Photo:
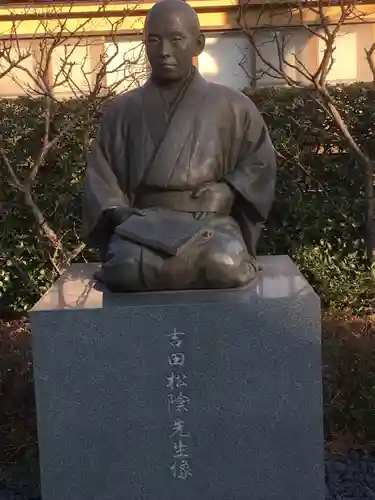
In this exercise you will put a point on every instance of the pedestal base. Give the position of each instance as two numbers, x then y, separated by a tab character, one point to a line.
212	395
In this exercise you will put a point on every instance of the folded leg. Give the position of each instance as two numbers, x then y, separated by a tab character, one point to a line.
123	267
225	262
217	259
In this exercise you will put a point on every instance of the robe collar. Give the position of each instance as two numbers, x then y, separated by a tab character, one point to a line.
157	113
169	132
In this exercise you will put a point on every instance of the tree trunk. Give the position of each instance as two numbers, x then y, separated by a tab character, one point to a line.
370	212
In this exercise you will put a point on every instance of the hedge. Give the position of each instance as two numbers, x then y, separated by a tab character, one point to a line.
318	217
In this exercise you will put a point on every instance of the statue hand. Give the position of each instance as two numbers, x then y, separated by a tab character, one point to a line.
197	194
136	211
199	215
219	189
121	214
199	191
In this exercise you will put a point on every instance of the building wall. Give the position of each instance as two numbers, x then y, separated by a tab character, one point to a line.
128	64
76	66
225	59
228	58
18	80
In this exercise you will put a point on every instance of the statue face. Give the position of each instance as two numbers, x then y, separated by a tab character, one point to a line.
171	43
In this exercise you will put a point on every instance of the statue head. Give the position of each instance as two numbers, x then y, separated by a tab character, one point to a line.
173	38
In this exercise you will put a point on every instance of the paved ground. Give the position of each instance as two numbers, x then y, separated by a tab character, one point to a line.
349	477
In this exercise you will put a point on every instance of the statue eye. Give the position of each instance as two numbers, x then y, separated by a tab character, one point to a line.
176	39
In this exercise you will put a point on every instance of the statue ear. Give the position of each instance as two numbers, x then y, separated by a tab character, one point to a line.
201	42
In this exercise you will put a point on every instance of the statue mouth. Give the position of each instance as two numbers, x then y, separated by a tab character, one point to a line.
167	65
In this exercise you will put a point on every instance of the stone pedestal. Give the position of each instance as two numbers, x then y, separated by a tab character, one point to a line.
209	395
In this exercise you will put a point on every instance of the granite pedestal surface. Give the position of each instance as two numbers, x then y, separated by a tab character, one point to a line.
198	395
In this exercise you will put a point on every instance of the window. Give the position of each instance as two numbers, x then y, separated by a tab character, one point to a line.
126	64
344	68
72	69
222	58
19	78
278	49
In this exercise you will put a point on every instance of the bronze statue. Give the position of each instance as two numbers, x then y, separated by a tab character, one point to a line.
181	175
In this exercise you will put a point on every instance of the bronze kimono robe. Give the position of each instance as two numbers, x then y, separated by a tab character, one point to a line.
147	157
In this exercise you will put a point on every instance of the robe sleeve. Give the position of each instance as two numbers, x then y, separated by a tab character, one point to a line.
254	177
101	189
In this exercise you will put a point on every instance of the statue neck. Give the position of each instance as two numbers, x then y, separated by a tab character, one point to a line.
169	90
172	84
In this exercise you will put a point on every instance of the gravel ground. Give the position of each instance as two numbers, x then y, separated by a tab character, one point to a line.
348	477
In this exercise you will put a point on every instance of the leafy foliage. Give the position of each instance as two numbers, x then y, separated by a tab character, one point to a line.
18	434
318	217
26	270
348	383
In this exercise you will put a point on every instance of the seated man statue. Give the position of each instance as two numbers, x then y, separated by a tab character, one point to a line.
181	175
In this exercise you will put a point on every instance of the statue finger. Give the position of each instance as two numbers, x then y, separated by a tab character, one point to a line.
198	192
200	215
136	211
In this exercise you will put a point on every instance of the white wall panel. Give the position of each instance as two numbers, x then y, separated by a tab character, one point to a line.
221	58
279	50
71	70
127	64
18	79
344	68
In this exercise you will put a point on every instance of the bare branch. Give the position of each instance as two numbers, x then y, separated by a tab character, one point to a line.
11	64
317	19
370	60
40	219
61	63
14	181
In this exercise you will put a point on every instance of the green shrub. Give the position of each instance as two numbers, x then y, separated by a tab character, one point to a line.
318	217
25	265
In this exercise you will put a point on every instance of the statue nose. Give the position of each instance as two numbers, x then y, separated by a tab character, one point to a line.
166	48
